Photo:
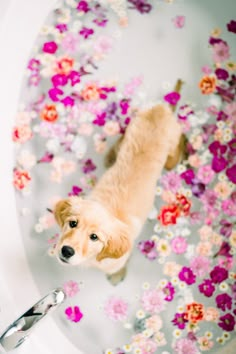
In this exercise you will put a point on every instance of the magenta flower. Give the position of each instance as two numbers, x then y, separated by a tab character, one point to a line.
224	250
169	291
54	94
180	320
62	27
148	249
50	47
83	6
71	288
88	166
68	101
153	301
172	98
187	275
200	265
179	21
231	173
59	80
226	228
116	308
74	77
185	346
231	26
220	52
217	148
100	119
141	5
73	314
218	163
206	288
86	32
76	190
188	176
179	245
47	157
221	74
224	301
33	64
227	322
218	274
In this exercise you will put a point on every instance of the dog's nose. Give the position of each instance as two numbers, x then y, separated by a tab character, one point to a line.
67	251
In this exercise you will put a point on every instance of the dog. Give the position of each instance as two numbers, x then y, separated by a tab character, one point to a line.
100	229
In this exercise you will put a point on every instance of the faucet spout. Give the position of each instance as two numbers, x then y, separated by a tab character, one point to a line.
19	330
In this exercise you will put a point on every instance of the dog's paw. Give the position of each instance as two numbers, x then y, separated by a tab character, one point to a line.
117	277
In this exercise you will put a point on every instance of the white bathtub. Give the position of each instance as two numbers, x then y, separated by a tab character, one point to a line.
18	290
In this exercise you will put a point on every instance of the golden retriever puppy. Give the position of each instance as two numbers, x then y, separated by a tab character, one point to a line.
100	229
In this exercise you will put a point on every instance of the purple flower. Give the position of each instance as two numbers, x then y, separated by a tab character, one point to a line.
188	176
187	275
172	98
219	163
224	301
169	291
180	320
83	6
88	166
231	173
141	5
148	248
86	32
231	26
224	250
221	74
198	189
222	116
76	190
226	228
216	148
206	288
232	145
218	274
50	47
227	322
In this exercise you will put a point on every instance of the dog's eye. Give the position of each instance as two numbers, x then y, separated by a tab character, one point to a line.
93	237
73	223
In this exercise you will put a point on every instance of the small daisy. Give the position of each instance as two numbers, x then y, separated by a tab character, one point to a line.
177	333
146	286
175	281
223	286
220	340
162	283
140	314
209	334
226	335
127	348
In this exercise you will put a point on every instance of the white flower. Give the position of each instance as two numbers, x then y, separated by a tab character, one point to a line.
53	145
26	159
79	147
38	228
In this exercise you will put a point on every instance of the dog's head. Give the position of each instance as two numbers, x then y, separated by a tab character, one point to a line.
89	232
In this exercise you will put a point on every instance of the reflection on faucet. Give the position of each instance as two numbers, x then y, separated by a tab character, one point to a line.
19	330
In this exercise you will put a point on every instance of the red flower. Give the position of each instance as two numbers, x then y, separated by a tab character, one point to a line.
21	178
194	312
169	214
183	203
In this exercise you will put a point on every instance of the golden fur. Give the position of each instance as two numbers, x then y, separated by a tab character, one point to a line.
119	204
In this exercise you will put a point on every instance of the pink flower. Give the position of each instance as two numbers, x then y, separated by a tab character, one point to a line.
230	110
200	265
73	314
70	43
229	207
171	181
22	133
205	174
179	245
103	45
153	301
185	346
206	70
179	21
71	288
50	47
116	309
220	52
21	178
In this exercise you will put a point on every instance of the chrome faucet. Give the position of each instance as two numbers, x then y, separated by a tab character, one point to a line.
19	330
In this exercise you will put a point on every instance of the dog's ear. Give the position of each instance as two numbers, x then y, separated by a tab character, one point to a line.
117	244
61	211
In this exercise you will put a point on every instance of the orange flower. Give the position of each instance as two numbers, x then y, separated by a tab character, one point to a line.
194	312
91	92
49	113
183	203
21	179
169	214
21	133
64	65
207	84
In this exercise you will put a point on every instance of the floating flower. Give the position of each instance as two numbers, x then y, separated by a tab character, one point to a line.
22	133
207	288
73	314
172	98
148	249
207	85
218	274
64	65
180	320
86	32
154	323
224	302
83	6
71	288
49	113
179	21
50	47
169	291
141	5
231	26
227	322
220	52
116	308
21	178
76	190
171	181
168	214
221	74
91	92
205	174
200	265
88	166
231	173
194	312
205	343
179	245
184	346
187	275
153	301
